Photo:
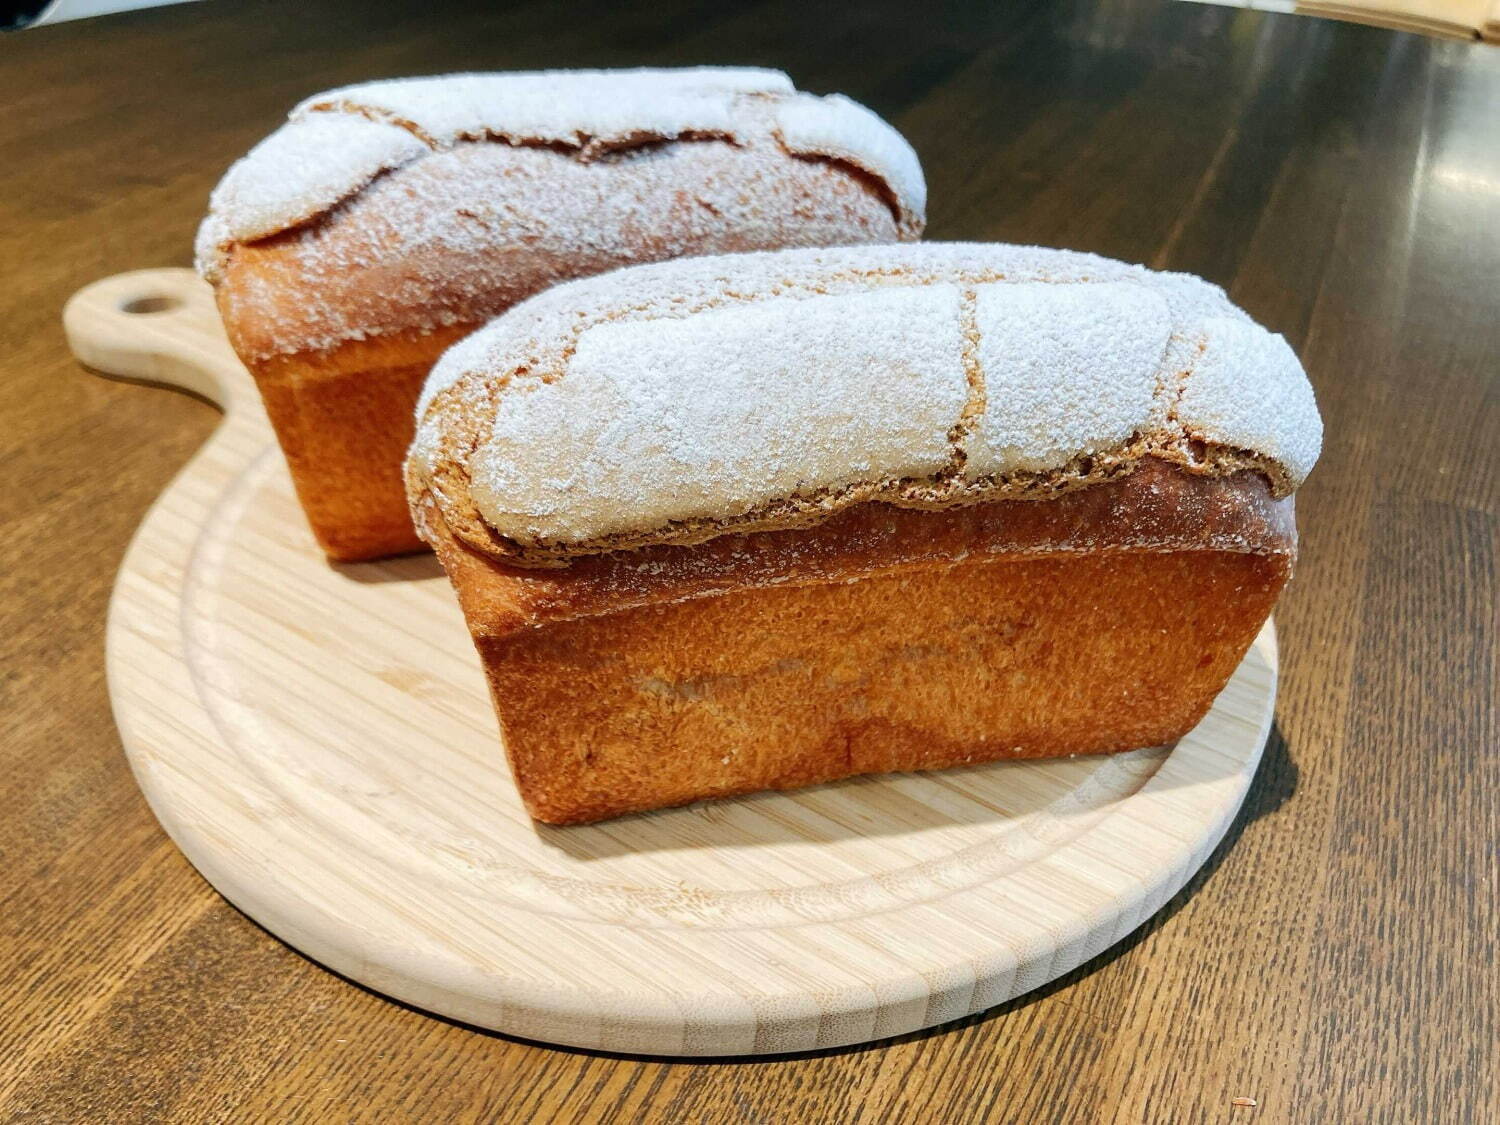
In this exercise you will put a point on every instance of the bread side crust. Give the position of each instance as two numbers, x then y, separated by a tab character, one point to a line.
882	640
343	434
930	668
1160	507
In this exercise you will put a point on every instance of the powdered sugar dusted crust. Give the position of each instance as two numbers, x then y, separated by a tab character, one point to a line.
288	179
567	107
1067	369
595	454
763	391
336	144
839	127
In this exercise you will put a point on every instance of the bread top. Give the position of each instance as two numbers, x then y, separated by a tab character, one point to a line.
413	203
675	403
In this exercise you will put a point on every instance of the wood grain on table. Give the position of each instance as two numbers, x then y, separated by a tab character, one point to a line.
1336	962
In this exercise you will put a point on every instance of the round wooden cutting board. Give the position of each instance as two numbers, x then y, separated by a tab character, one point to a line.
318	740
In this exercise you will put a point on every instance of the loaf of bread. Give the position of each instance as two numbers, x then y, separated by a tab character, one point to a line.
383	222
765	520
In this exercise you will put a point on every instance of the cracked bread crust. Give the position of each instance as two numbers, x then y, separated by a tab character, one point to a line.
458	236
1214	394
336	144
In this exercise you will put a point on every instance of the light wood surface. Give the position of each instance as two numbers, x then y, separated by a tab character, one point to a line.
318	740
1338	180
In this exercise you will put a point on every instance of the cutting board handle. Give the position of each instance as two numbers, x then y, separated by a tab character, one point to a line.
159	326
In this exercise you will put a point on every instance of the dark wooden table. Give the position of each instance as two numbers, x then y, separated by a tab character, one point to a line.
1335	961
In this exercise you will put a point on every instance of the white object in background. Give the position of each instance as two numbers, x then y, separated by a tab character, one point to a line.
1450	19
1287	7
60	10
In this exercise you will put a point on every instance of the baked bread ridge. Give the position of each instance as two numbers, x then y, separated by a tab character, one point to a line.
419	203
886	639
1160	508
999	372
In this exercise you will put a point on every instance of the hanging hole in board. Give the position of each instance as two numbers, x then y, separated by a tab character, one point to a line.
150	304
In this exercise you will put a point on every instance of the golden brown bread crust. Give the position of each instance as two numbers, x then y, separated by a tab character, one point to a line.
344	429
785	687
885	639
1159	507
339	319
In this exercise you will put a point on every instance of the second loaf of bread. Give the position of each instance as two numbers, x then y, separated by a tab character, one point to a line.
384	221
762	521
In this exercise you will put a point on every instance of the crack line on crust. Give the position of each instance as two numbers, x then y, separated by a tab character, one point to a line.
377	115
949	489
978	401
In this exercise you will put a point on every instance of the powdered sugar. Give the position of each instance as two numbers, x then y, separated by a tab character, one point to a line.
545	322
336	143
1068	370
1278	420
662	420
835	126
571	107
296	173
1080	360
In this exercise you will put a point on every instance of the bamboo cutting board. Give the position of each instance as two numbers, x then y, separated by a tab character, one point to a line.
318	741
